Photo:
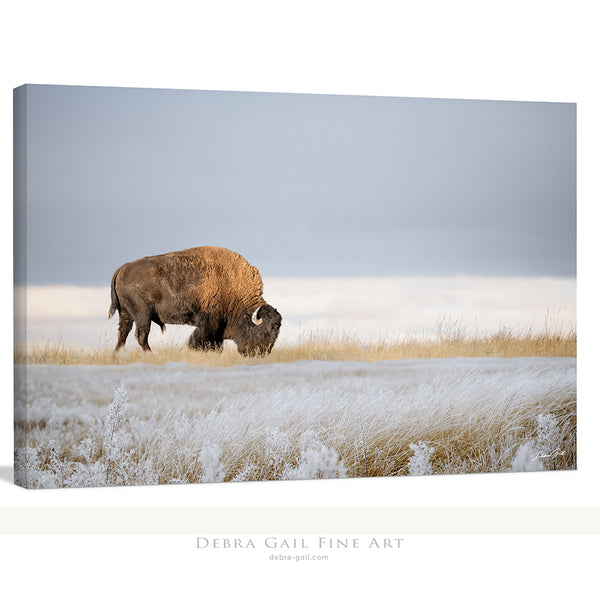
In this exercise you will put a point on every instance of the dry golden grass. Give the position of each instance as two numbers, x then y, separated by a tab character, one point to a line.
503	343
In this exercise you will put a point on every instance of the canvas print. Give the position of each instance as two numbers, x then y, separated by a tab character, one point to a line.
239	286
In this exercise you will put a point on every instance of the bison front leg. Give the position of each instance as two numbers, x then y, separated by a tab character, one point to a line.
199	340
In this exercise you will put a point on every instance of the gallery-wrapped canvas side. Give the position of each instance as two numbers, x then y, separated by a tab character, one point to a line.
20	241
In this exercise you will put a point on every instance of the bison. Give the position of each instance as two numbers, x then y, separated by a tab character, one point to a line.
214	289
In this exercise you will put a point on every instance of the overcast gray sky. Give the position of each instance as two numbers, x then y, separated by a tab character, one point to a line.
301	185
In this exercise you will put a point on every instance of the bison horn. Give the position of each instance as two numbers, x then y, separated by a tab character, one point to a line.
256	320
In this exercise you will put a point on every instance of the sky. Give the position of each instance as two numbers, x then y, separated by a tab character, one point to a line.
301	185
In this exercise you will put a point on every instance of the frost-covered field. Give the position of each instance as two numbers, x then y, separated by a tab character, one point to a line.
146	424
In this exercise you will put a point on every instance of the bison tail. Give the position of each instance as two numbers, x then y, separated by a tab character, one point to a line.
114	300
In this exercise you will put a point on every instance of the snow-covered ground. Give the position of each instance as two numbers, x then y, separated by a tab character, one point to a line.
364	308
136	424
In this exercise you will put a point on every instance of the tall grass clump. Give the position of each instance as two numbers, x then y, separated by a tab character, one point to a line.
419	463
114	442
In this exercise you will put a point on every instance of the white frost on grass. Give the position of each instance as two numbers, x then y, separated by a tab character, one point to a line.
548	435
210	458
541	452
419	463
114	442
291	420
317	461
526	458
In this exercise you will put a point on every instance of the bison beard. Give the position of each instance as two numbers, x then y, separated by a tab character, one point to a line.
214	289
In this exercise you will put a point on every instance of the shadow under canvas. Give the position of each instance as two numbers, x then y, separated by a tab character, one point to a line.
7	473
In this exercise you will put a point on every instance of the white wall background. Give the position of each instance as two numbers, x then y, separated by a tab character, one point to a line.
466	49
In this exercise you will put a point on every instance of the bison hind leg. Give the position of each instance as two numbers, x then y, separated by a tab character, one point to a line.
125	325
142	331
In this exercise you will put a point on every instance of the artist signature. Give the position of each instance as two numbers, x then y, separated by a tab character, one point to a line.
553	454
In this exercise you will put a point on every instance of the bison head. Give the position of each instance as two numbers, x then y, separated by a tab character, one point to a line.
257	331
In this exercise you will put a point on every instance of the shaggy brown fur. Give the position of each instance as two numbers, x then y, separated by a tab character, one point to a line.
212	288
